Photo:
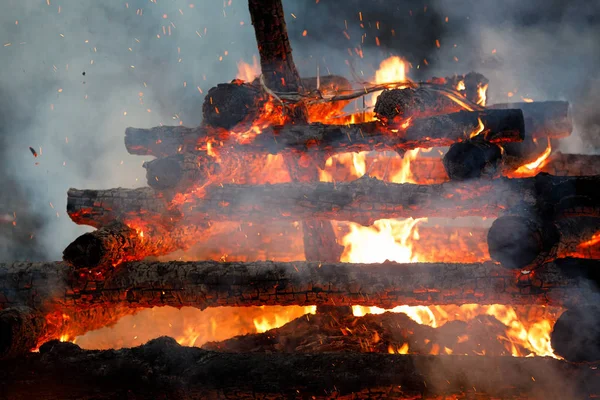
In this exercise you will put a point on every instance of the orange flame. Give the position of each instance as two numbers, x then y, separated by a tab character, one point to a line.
533	167
247	72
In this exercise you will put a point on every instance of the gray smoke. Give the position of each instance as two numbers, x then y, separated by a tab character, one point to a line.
142	55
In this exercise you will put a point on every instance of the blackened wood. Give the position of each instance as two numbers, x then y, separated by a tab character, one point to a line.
576	334
472	159
202	284
181	171
20	328
544	118
364	200
165	370
423	101
524	243
501	126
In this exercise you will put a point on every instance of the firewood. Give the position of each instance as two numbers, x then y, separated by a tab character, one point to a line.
470	85
20	328
181	171
501	126
472	159
524	243
364	200
544	118
576	334
202	284
162	368
423	101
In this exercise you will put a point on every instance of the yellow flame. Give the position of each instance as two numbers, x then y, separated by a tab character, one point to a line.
460	86
482	95
247	72
272	321
540	162
478	130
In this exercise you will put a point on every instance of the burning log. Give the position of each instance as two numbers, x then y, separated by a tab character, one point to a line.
576	334
194	373
473	86
423	101
572	164
364	200
180	171
202	284
443	130
522	243
472	159
543	119
20	328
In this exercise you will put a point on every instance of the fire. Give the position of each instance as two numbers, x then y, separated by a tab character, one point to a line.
247	72
478	130
533	167
268	321
392	69
529	332
384	240
482	95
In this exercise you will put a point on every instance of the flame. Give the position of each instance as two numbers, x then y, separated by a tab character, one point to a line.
460	86
247	72
267	322
595	240
530	333
478	130
482	95
384	240
392	69
533	167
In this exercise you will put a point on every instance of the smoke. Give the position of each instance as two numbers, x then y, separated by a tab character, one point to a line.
73	76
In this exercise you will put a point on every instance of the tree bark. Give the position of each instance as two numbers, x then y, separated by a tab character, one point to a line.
53	286
543	119
20	328
364	200
501	126
163	369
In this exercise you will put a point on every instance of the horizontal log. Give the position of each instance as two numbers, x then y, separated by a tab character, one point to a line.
501	126
163	369
473	86
472	159
202	284
364	200
395	105
544	118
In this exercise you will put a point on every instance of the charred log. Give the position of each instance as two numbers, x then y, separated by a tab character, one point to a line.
576	334
470	85
229	104
20	328
572	164
180	171
364	200
543	119
523	243
472	159
423	101
163	369
501	126
202	284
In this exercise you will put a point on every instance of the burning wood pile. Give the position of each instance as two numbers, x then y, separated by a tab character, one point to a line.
281	148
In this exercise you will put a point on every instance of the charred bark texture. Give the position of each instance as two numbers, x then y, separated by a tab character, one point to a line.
180	171
543	119
364	200
423	101
163	369
202	284
20	328
501	126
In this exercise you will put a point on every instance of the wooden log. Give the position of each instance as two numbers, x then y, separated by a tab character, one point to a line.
501	126
364	200
473	86
395	105
162	368
181	171
472	159
523	243
202	284
562	164
20	328
543	119
576	334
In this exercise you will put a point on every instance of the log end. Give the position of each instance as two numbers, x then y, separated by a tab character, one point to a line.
87	251
576	335
228	104
472	159
20	329
518	242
